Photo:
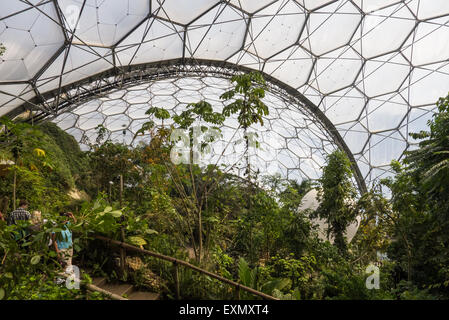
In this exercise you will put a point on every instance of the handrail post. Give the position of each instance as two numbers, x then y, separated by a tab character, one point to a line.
176	277
122	234
237	292
123	257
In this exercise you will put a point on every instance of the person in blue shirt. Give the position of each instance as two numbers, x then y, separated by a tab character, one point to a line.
63	243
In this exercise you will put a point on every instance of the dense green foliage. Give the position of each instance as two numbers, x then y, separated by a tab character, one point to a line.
40	162
337	197
248	229
421	205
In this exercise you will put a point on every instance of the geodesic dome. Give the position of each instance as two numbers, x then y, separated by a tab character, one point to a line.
291	143
352	74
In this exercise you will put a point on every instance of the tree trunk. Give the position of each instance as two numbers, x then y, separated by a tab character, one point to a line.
122	233
14	186
4	205
121	190
200	236
248	165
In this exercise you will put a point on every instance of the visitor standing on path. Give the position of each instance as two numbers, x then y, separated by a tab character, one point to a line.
63	243
20	214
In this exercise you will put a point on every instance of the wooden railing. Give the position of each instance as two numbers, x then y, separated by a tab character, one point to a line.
94	288
110	295
177	263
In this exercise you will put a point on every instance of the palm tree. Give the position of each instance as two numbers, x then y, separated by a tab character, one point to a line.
431	160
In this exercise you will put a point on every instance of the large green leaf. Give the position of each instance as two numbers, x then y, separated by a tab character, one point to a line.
151	231
244	272
278	284
137	241
96	205
115	213
35	259
296	295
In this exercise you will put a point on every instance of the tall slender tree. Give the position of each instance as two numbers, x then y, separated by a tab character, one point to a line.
248	92
337	198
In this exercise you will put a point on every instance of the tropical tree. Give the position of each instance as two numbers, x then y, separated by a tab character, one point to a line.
420	200
337	198
408	208
248	92
374	234
21	143
431	159
199	119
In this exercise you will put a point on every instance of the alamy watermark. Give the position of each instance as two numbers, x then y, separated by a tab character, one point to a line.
72	277
373	280
73	280
72	15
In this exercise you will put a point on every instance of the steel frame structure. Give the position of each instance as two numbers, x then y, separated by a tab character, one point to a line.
362	70
70	96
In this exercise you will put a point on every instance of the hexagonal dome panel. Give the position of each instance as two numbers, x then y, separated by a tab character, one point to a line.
356	74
